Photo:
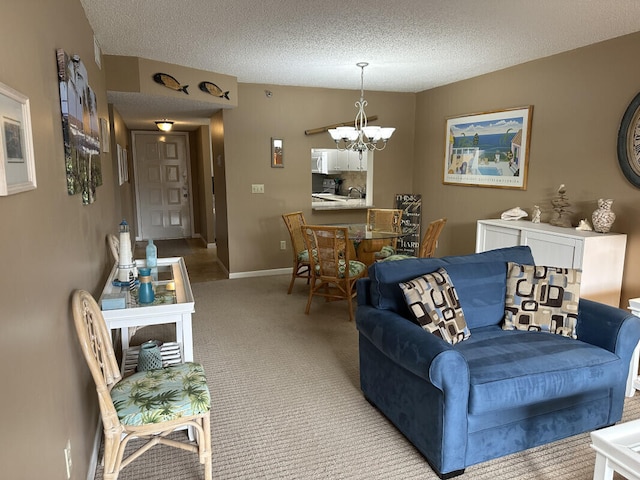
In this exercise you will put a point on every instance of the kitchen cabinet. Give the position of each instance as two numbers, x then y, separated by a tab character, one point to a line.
348	161
600	256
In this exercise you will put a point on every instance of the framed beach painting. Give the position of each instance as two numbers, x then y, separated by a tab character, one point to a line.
489	149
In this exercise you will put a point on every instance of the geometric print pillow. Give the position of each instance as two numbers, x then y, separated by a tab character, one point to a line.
542	299
433	300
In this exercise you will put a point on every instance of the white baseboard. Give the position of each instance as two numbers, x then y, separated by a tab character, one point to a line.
262	273
93	461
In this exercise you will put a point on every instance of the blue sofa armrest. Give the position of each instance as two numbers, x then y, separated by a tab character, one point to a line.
608	327
414	349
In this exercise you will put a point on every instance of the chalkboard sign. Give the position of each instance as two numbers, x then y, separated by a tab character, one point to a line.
411	206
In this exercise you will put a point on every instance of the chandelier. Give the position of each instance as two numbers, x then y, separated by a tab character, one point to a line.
361	137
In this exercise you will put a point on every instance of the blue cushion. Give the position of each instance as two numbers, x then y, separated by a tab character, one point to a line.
476	291
525	368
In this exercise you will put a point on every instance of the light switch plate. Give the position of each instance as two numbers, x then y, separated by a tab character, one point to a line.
257	188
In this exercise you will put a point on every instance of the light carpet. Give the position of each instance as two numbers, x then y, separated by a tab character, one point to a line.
287	404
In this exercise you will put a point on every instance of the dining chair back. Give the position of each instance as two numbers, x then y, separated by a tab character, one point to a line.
334	273
385	220
149	404
301	264
430	239
114	246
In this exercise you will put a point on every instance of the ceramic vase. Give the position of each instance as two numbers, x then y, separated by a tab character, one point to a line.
603	217
150	357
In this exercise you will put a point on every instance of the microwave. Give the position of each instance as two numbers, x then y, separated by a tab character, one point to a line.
323	160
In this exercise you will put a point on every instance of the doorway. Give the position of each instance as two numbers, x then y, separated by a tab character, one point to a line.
163	185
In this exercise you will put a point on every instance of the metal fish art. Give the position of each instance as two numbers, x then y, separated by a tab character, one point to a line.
170	82
213	89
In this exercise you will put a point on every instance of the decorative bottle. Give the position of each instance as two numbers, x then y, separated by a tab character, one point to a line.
125	260
145	292
150	357
603	217
152	254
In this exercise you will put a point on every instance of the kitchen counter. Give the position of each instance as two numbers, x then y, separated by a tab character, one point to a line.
330	201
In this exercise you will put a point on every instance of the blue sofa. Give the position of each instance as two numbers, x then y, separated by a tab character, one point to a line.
499	391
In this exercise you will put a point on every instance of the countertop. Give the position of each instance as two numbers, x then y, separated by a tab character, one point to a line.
330	201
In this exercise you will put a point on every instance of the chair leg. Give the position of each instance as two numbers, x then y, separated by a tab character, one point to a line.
311	290
206	454
112	458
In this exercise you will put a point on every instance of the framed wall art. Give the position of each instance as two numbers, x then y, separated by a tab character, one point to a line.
17	163
277	153
489	149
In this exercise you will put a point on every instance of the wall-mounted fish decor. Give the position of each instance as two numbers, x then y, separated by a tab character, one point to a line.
213	89
168	81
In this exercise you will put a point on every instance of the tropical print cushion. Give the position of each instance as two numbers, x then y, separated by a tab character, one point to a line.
385	252
355	268
303	256
397	256
162	395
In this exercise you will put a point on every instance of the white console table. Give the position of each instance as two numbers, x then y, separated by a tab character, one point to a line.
174	304
600	256
617	450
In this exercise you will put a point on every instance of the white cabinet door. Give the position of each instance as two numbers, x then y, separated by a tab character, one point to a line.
490	237
554	251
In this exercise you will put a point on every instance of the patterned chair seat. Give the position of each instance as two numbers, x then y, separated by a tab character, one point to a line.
162	395
385	252
303	256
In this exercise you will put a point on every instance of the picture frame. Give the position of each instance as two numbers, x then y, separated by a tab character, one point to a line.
489	149
17	161
123	164
277	153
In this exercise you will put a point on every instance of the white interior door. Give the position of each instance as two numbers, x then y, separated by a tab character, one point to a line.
161	163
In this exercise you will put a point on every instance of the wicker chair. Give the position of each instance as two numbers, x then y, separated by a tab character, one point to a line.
334	274
430	239
385	220
149	404
114	246
301	264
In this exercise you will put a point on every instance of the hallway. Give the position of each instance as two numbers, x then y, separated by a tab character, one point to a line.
202	263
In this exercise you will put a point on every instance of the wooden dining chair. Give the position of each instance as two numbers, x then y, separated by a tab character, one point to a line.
301	264
149	404
430	239
334	273
114	246
385	220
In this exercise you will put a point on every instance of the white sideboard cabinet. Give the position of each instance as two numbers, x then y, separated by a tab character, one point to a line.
600	256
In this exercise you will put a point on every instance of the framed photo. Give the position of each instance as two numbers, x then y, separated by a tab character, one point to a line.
123	165
277	153
489	149
17	163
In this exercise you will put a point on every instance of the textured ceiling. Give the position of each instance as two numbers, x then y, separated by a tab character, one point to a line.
411	45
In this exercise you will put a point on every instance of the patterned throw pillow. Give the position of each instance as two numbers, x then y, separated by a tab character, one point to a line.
542	299
433	300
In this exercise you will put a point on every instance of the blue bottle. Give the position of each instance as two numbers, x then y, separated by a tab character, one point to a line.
152	254
145	292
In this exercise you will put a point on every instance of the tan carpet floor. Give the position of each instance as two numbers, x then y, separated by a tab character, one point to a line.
287	405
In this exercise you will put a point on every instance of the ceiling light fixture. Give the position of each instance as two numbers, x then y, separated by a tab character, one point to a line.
164	125
361	137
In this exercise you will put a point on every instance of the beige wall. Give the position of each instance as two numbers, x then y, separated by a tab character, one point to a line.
255	224
50	244
579	99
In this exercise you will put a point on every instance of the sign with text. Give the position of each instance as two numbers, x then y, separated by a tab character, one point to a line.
411	206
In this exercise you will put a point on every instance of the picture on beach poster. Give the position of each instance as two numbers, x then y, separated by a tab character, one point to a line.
489	149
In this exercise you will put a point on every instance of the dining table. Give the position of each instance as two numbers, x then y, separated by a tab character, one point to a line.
359	233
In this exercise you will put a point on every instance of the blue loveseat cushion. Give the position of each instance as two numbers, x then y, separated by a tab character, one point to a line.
510	369
479	279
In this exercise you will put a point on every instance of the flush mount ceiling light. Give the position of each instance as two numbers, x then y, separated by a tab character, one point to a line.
361	137
164	125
